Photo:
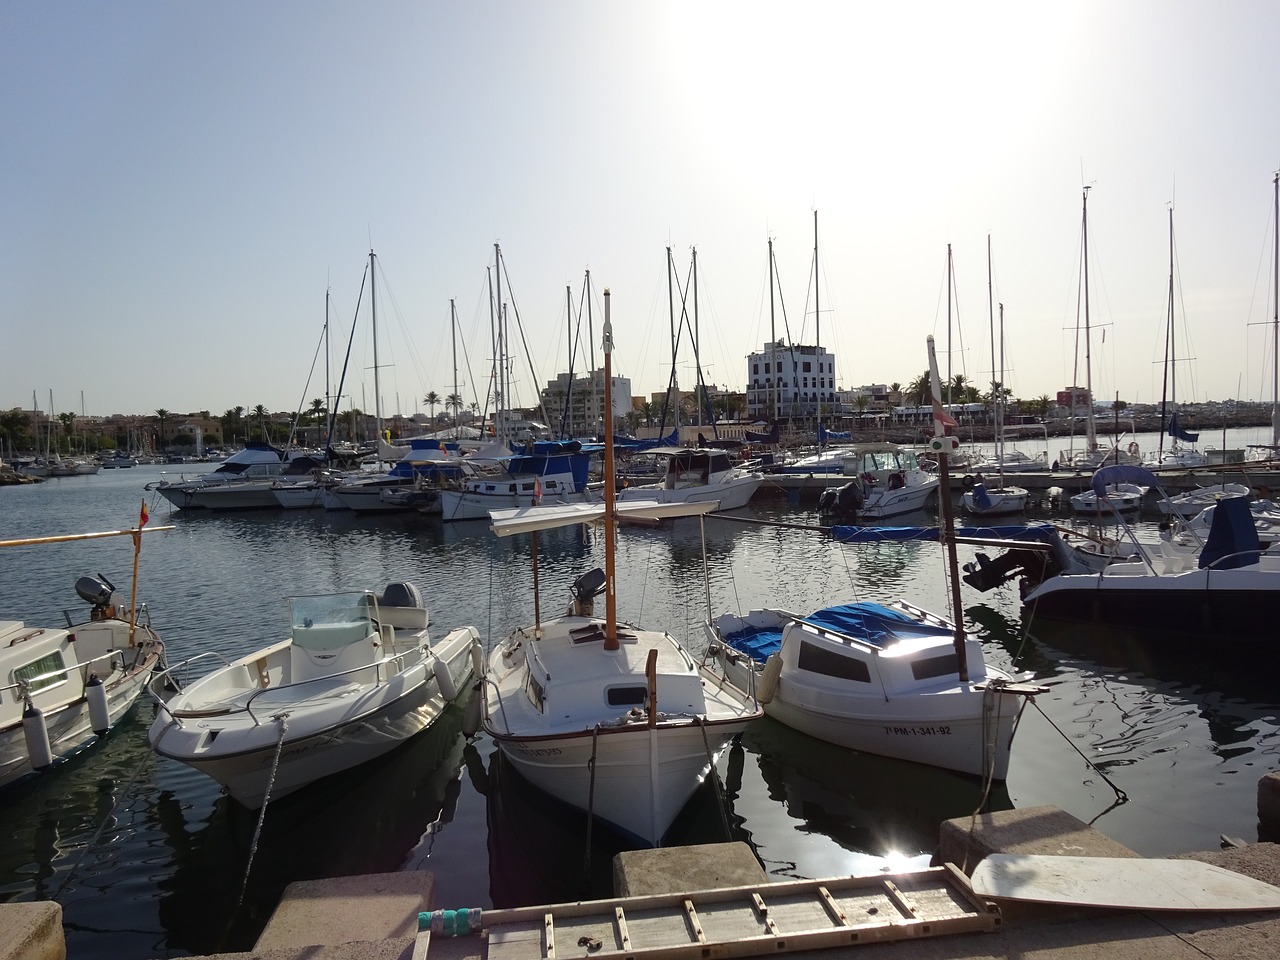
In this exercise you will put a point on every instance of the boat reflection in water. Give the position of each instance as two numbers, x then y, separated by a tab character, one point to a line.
382	817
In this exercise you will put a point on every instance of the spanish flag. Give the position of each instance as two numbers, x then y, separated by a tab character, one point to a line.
143	516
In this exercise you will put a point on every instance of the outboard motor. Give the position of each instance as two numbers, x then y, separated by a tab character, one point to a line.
100	594
585	589
843	501
399	593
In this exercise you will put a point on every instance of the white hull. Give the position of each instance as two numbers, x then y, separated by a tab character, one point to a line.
643	775
1001	501
476	506
65	709
228	725
299	496
730	493
891	503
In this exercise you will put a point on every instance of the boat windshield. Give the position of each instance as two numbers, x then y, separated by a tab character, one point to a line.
332	620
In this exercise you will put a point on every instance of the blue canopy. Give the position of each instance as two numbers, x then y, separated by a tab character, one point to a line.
1176	431
871	622
980	495
1024	531
824	434
1233	538
1122	473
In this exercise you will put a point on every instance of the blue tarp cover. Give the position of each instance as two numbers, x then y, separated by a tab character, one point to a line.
1120	473
1176	431
1233	537
1034	531
871	622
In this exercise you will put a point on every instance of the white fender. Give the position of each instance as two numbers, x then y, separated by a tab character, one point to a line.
767	685
448	689
477	656
95	693
36	732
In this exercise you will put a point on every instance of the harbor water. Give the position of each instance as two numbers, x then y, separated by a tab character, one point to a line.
149	859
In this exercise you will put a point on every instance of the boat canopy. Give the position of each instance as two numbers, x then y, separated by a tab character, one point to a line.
1233	536
824	434
870	622
1122	473
1042	532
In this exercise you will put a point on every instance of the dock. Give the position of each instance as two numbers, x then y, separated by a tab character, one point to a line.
715	900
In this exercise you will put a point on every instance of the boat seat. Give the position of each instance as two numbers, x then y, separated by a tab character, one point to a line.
404	618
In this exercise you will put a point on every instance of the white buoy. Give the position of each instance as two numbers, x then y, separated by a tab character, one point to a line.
36	732
448	689
477	657
95	693
471	719
767	686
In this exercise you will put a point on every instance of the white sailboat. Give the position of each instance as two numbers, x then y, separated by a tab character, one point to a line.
613	719
884	678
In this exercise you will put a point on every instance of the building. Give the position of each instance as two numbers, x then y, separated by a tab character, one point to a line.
575	404
791	381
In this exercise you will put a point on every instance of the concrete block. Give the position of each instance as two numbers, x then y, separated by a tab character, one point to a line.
32	931
1042	830
702	866
1269	807
340	910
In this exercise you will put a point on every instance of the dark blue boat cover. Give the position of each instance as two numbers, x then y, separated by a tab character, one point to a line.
1121	473
1043	532
1233	538
871	622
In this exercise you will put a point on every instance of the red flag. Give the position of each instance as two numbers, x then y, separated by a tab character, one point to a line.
941	415
143	516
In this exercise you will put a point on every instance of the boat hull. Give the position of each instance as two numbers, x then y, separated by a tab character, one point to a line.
330	729
635	778
730	494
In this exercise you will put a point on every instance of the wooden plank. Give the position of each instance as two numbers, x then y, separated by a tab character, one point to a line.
743	921
1130	883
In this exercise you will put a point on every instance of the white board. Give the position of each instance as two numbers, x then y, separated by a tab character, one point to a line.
1129	883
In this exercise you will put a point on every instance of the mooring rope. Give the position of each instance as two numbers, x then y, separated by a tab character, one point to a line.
591	815
715	777
283	720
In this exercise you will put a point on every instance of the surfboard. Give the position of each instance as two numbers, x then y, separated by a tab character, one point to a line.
1127	883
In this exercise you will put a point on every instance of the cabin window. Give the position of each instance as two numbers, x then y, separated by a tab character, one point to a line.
536	694
48	664
626	696
829	663
935	667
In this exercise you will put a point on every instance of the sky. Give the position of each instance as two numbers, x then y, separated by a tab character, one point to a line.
183	185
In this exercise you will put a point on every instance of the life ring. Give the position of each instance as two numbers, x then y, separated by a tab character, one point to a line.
1133	448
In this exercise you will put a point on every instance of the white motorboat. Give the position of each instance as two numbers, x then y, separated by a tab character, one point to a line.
696	475
256	493
1229	588
1189	504
425	461
983	501
357	676
887	481
880	678
890	679
1266	521
255	461
612	719
547	471
63	688
1110	498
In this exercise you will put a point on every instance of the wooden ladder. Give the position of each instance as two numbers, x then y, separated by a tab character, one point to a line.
733	921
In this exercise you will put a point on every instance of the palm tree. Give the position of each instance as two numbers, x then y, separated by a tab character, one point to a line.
260	413
453	401
919	390
162	415
13	424
431	399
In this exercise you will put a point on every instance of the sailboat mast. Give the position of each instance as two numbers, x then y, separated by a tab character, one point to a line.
373	309
698	386
950	296
773	345
995	384
453	338
1167	388
1091	434
944	445
610	517
1000	404
591	332
1275	325
817	315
